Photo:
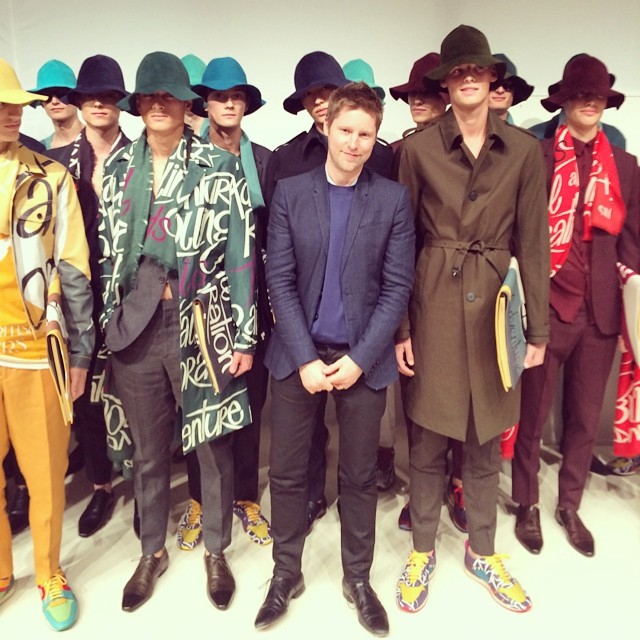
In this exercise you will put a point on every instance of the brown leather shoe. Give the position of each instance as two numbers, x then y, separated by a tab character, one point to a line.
528	531
140	586
220	583
579	536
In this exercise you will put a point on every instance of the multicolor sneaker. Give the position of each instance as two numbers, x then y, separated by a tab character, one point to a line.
503	587
413	586
190	526
404	519
8	589
254	523
59	604
624	466
454	499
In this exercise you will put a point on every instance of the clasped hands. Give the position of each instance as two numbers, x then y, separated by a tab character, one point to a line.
318	376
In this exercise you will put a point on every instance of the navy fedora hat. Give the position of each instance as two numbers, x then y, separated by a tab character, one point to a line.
98	74
520	89
222	74
316	69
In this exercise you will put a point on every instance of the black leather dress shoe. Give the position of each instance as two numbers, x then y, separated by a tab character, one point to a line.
140	586
579	536
275	605
371	613
97	513
315	510
220	583
18	510
136	519
528	531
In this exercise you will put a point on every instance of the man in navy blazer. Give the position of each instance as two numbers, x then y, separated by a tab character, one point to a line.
340	270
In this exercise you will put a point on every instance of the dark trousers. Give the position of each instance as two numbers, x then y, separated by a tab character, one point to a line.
480	476
294	410
587	356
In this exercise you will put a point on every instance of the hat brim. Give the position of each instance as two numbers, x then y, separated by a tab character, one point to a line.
433	78
61	92
520	89
254	98
293	104
179	92
557	99
19	96
75	96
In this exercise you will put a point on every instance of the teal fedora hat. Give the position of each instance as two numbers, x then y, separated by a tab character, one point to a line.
360	71
223	74
54	75
195	67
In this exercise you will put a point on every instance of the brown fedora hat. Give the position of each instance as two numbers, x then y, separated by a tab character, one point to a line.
583	74
420	68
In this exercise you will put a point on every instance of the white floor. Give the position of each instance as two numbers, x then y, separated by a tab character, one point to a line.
573	596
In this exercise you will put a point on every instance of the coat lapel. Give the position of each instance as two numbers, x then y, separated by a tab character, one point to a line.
321	202
358	208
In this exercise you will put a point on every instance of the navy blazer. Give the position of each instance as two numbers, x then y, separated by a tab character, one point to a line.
376	275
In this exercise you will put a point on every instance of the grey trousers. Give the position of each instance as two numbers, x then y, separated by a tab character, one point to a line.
480	476
147	379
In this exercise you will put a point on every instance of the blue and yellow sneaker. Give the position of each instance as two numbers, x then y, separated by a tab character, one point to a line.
254	523
189	531
7	588
59	604
503	587
413	586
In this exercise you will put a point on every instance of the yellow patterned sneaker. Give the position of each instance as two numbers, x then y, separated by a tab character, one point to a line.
254	523
7	588
413	586
59	604
190	526
503	587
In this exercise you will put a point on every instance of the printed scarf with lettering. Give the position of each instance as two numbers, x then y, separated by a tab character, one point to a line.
603	208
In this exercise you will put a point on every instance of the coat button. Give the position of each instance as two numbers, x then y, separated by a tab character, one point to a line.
473	196
471	296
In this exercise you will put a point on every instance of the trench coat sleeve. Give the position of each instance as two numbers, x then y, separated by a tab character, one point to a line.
531	244
281	280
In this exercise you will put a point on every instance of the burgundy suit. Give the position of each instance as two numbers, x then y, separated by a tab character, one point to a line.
585	344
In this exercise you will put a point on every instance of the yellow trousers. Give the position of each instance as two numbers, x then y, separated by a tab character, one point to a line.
31	420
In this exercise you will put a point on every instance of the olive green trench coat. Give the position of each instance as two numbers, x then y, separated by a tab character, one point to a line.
471	216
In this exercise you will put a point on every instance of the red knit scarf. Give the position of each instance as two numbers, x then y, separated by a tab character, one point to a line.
604	207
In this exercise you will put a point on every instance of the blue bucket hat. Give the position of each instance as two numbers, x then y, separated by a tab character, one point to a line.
159	71
520	89
223	74
316	69
98	74
360	71
57	75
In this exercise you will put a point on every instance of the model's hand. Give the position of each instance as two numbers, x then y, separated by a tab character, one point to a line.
534	356
313	377
343	373
240	363
77	380
404	357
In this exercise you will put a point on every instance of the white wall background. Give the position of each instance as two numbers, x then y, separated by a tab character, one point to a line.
269	37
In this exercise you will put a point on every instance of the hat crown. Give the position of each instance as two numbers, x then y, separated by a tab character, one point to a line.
464	42
315	68
586	73
159	70
511	68
195	67
223	74
359	71
97	72
421	67
8	78
55	73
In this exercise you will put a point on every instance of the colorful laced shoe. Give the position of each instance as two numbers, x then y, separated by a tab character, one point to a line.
454	499
503	587
256	526
59	604
624	466
190	526
413	586
404	519
8	589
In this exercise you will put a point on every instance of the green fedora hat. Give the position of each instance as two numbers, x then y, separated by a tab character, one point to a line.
159	71
360	71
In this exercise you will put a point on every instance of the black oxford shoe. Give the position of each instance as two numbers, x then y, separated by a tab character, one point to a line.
315	510
220	583
97	513
579	536
528	531
140	587
275	605
371	613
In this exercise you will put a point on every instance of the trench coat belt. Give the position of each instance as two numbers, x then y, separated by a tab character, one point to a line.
463	249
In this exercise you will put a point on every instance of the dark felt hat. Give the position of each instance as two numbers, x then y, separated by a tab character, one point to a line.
98	74
464	45
316	69
585	74
160	71
519	87
223	74
415	84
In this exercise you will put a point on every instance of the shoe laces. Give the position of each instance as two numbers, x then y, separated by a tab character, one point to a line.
415	566
499	573
252	511
194	513
54	588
